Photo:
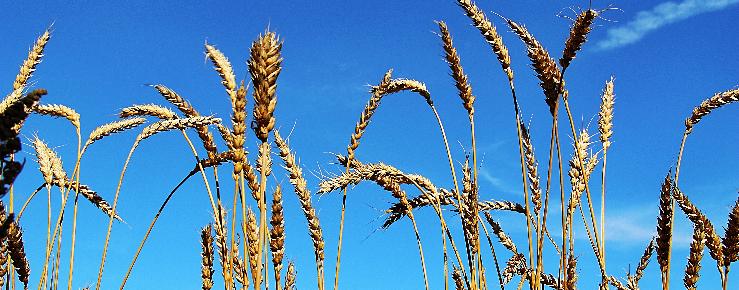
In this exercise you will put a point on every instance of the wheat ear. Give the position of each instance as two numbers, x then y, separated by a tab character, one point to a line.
206	239
277	235
488	31
189	111
112	128
460	79
693	267
713	241
304	196
578	36
152	110
18	253
664	228
546	69
731	237
224	69
290	277
706	107
264	67
33	59
59	111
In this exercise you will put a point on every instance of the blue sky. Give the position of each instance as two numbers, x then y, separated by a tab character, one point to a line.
666	57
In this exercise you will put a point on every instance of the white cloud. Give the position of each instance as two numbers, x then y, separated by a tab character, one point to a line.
663	14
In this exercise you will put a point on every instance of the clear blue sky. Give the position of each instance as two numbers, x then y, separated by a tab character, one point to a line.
665	59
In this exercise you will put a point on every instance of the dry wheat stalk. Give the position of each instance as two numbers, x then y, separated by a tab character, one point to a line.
33	59
252	238
488	31
504	239
290	277
166	125
59	111
265	66
153	110
207	257
605	116
112	128
731	237
17	252
531	168
706	107
713	241
578	36
460	79
304	196
693	266
189	111
546	69
664	226
277	234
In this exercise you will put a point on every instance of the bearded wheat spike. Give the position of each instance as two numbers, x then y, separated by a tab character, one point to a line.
460	79
18	253
222	243
664	224
644	261
277	234
578	36
88	194
189	111
290	277
252	238
112	128
153	110
731	237
304	196
692	270
33	59
531	168
707	106
11	99
59	111
571	282
207	257
458	280
504	239
265	66
546	69
167	125
488	31
224	69
4	220
605	116
14	111
713	241
43	158
237	139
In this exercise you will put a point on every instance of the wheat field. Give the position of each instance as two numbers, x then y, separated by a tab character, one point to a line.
257	217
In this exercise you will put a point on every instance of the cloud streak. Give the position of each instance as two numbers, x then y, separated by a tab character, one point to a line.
663	14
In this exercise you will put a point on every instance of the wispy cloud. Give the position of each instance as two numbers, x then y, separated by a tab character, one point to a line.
663	14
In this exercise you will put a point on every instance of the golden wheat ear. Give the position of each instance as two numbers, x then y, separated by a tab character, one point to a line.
731	237
578	35
277	234
33	59
265	65
488	31
694	259
707	106
113	128
206	240
59	111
